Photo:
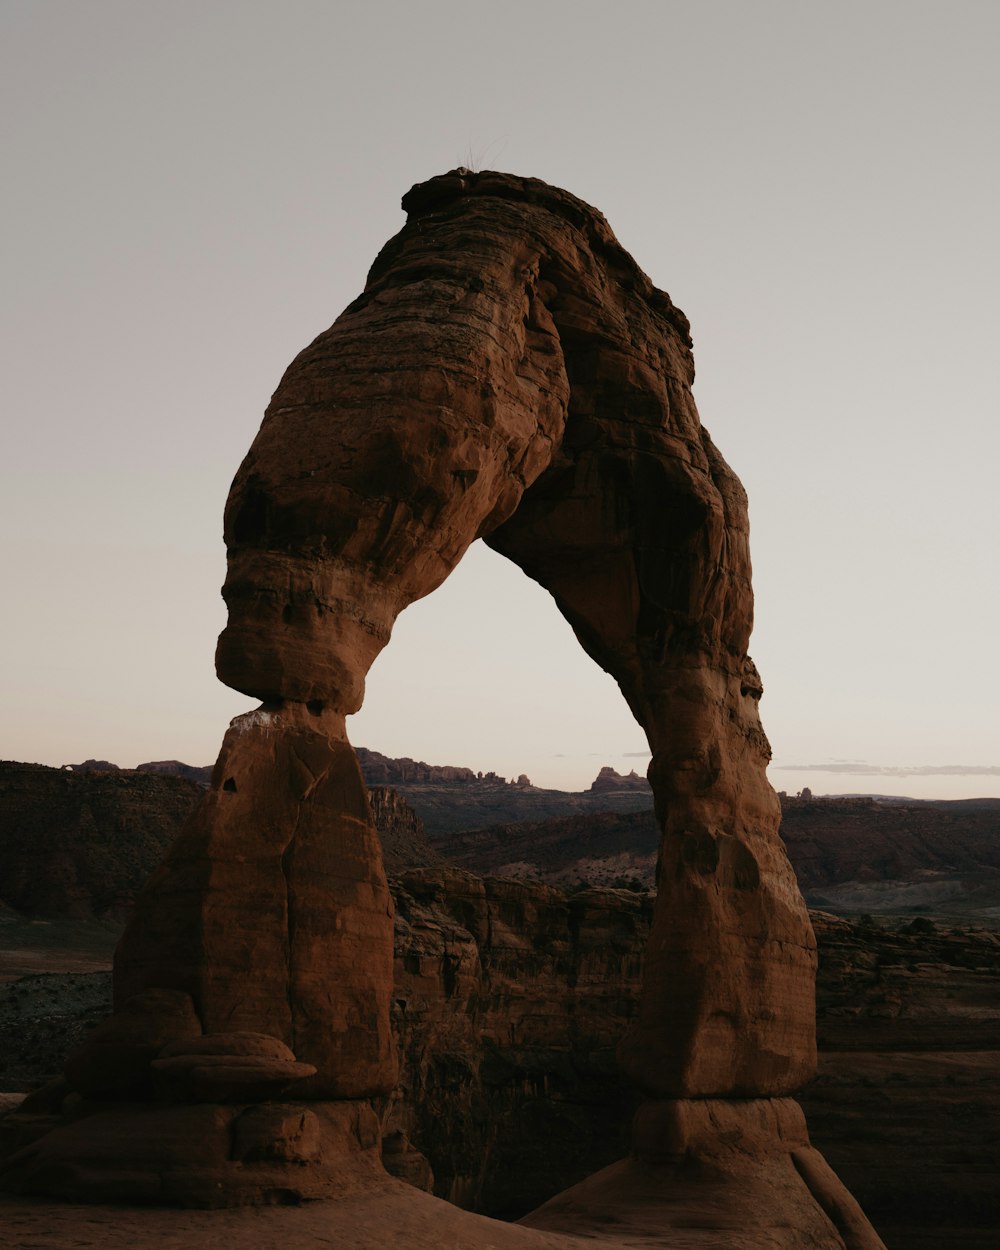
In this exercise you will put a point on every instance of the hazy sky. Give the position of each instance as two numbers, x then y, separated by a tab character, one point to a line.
194	190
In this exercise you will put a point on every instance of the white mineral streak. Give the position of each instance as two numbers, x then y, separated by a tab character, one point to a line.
257	719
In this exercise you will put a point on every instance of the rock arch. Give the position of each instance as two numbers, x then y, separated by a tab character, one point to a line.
508	373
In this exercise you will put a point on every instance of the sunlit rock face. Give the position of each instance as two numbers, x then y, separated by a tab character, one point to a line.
510	373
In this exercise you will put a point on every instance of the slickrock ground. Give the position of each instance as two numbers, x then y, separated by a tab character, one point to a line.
392	1214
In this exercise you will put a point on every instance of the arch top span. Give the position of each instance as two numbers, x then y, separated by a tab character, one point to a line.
503	334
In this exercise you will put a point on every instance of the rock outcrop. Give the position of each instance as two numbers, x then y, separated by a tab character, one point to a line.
400	831
381	770
509	373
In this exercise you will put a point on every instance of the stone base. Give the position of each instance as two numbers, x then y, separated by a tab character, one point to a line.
207	1155
710	1172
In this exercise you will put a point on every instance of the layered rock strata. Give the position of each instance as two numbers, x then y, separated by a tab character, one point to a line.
509	373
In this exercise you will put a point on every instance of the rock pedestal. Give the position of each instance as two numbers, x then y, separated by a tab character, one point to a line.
509	373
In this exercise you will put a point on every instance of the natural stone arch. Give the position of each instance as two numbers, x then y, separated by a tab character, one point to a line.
508	373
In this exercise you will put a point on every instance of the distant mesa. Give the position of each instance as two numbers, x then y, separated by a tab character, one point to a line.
164	768
174	768
608	779
381	770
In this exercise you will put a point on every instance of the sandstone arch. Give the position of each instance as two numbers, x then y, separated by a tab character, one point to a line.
508	373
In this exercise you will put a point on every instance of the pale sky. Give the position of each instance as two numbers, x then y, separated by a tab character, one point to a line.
194	189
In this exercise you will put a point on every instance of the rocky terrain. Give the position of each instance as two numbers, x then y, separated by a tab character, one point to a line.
907	1100
597	848
852	855
509	996
508	1001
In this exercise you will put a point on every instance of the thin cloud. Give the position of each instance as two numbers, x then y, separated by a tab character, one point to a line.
893	770
635	755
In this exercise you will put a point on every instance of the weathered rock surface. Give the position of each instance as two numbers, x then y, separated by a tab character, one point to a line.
510	373
690	1158
400	831
508	1003
202	1155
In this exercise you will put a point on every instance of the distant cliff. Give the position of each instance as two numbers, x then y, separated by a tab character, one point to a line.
81	844
453	800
